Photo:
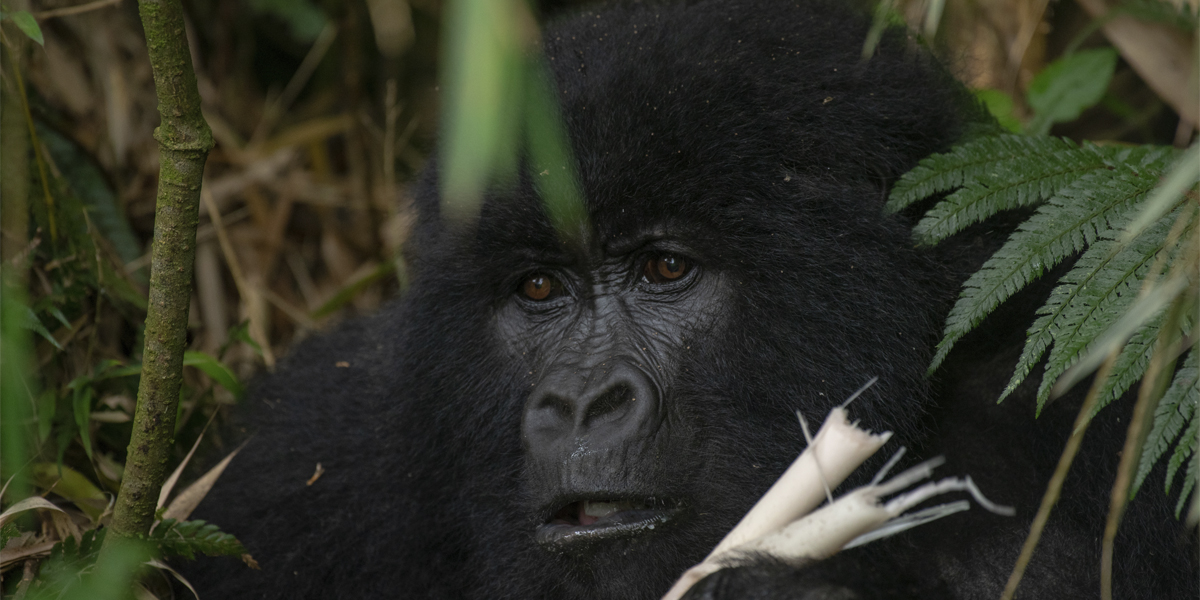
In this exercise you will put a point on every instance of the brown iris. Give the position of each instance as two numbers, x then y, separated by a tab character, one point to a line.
538	286
662	269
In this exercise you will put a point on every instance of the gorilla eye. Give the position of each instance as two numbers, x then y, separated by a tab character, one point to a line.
661	269
540	286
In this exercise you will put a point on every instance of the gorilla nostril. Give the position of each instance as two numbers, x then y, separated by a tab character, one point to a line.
561	407
613	401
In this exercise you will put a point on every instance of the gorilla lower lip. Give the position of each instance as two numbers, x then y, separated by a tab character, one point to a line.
586	521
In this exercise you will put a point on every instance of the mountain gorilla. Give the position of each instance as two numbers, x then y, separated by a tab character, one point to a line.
540	419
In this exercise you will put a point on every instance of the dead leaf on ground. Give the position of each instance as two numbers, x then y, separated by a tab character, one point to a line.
316	475
187	500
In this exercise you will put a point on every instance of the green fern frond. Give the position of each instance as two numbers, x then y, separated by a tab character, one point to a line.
186	538
1152	160
1096	275
1065	225
67	559
1185	447
1099	303
1085	197
1176	409
1131	363
1026	181
964	163
1100	290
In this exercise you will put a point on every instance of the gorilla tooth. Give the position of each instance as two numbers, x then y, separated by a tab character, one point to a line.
603	509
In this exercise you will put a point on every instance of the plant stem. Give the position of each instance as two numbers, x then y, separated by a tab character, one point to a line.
184	140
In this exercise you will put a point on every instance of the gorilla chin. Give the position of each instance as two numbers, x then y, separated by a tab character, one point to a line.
544	419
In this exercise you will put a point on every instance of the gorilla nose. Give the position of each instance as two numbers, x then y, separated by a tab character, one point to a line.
611	410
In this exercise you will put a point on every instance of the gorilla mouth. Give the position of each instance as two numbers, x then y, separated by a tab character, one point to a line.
592	520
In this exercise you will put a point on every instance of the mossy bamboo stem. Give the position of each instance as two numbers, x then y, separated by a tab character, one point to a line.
184	140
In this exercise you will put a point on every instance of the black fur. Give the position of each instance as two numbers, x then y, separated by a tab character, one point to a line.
750	132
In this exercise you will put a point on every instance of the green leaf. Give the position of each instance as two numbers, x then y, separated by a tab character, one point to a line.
90	185
47	407
213	368
552	158
1015	183
1183	175
304	19
966	162
484	73
1193	472
1132	361
118	288
17	372
1069	85
240	333
1000	105
1066	224
347	293
72	485
28	25
69	573
1176	409
1181	15
59	316
1095	282
134	369
34	324
8	532
81	400
186	538
1093	202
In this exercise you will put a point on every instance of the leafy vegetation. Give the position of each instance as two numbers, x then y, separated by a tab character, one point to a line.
70	570
1124	218
1086	197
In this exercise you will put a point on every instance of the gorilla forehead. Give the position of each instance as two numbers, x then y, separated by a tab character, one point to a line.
801	138
800	101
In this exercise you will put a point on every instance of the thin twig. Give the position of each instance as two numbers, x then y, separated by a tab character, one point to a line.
1054	488
214	214
38	155
1155	380
307	67
235	269
391	111
79	9
1151	392
298	316
1016	52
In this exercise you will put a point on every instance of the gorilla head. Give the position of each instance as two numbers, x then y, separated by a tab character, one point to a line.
540	419
641	381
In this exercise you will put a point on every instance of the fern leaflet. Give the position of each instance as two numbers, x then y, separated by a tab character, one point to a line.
1085	195
1070	221
186	538
1018	183
1094	276
943	172
1176	409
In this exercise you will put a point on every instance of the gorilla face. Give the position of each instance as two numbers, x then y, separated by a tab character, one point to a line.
738	267
604	338
659	355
